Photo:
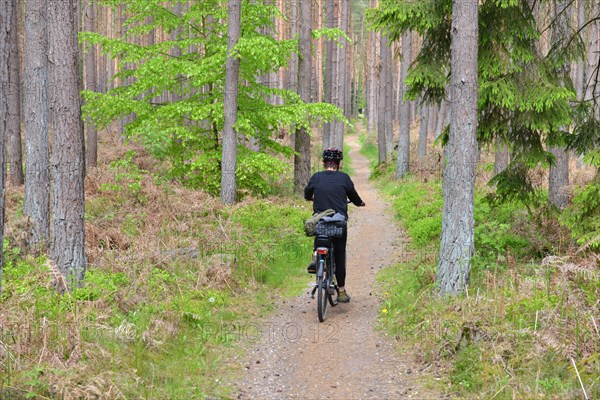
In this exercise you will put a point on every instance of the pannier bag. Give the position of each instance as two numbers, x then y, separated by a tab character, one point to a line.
311	223
331	229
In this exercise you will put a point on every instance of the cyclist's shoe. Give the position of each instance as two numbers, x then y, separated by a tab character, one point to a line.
343	297
312	268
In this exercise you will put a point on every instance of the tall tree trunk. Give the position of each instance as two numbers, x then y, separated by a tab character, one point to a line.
13	120
441	121
388	103
293	65
68	164
302	143
90	84
381	92
501	157
102	28
330	56
558	179
404	112
580	68
372	68
7	23
432	118
317	93
456	246
232	70
341	72
36	205
423	130
592	75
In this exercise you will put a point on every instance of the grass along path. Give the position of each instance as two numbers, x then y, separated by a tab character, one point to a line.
293	356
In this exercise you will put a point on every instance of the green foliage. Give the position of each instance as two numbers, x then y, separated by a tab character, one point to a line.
128	178
273	245
155	324
484	340
189	71
582	217
525	98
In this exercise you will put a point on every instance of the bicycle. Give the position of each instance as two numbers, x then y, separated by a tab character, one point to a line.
326	285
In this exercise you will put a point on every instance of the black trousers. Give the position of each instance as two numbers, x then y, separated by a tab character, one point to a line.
339	251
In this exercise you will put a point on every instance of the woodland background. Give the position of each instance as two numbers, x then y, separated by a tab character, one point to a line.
176	233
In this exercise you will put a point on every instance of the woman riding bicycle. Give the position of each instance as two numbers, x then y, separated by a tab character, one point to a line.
331	189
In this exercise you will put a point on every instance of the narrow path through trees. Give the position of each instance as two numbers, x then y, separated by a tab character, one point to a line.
296	357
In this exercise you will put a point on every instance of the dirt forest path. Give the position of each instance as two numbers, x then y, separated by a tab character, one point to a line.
345	357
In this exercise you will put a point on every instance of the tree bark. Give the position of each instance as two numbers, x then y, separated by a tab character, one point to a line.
381	92
388	104
341	76
68	165
441	121
558	179
302	142
456	245
592	75
90	84
36	205
330	68
7	23
293	65
404	112
423	130
501	158
372	68
232	69
13	121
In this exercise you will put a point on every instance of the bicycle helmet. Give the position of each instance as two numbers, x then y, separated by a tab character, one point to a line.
332	155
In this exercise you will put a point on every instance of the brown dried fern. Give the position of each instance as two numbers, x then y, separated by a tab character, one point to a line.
549	340
588	245
58	280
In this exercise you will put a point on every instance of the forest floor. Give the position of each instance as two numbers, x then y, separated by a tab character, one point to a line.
293	356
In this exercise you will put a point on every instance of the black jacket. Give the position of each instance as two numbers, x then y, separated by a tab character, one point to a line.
331	189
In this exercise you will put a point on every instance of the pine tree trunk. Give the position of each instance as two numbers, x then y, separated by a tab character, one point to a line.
558	180
580	66
456	246
90	84
13	121
293	66
7	23
232	69
404	112
423	128
381	92
441	121
330	67
592	76
341	74
318	69
372	94
389	102
68	164
501	157
302	143
102	23
36	205
432	118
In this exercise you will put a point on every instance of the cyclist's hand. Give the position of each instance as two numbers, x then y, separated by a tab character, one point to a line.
362	204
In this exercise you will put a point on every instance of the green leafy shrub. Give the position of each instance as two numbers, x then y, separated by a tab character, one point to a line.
582	217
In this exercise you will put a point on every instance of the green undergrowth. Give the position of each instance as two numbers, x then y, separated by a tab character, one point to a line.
176	285
527	316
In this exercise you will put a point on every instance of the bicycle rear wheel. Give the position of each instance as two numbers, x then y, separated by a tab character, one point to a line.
322	298
333	290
